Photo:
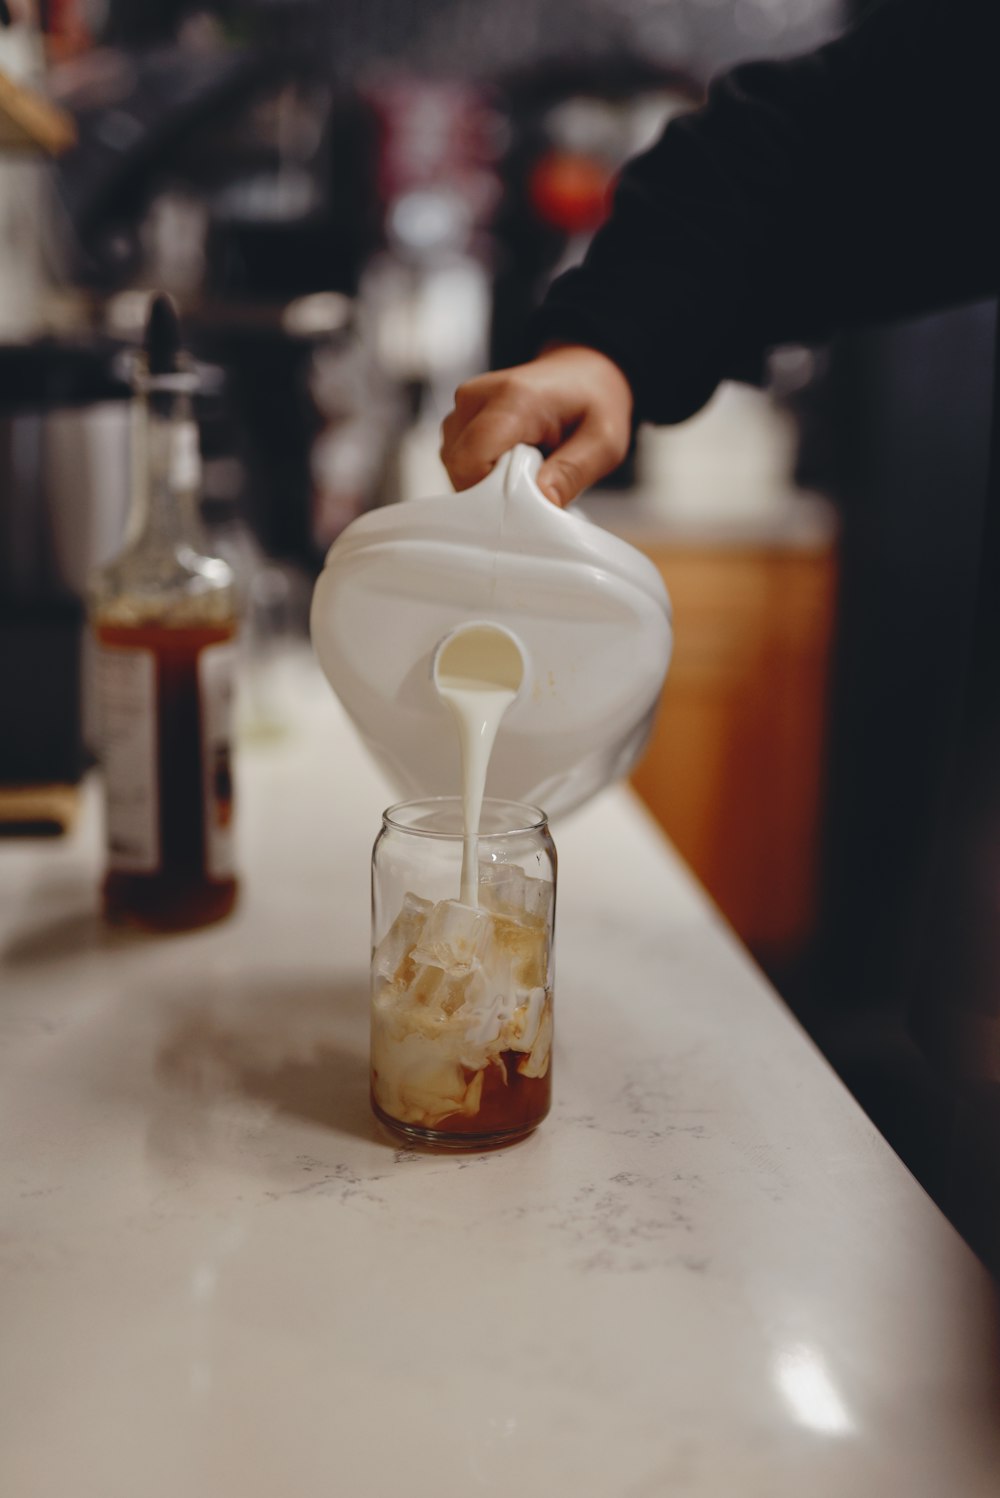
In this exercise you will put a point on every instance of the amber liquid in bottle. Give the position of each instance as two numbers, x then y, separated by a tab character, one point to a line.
193	797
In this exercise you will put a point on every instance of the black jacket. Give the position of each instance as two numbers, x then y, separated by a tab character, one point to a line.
854	184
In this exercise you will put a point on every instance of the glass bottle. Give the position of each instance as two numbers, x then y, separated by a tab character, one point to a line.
461	996
163	616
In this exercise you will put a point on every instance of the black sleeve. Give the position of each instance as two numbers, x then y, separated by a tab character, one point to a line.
851	185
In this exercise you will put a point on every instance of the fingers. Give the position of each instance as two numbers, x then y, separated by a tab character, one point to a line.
574	402
595	448
488	420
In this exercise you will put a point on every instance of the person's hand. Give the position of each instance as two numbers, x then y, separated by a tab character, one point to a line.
571	401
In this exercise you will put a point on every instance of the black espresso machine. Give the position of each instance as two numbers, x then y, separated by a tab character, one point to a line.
64	477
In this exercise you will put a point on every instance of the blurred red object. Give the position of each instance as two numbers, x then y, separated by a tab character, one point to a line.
570	191
66	31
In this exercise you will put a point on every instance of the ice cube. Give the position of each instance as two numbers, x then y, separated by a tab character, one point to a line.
507	889
522	1028
453	937
436	990
484	1015
537	1063
389	959
527	951
514	960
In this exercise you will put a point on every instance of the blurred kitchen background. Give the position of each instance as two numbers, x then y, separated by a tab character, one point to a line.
355	204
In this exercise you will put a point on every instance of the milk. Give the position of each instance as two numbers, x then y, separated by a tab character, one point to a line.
478	671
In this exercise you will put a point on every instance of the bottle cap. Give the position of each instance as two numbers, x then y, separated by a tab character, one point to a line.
163	337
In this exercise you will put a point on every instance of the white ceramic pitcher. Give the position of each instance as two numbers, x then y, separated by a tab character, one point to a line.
589	612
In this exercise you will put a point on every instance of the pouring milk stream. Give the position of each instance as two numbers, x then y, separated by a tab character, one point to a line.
478	671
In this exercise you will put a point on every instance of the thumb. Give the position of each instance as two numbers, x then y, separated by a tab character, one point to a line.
581	460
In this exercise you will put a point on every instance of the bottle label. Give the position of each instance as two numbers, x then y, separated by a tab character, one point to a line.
125	682
216	690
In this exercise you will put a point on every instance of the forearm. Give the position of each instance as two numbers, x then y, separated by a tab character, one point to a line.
836	189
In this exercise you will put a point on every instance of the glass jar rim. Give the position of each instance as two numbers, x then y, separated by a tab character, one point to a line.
529	818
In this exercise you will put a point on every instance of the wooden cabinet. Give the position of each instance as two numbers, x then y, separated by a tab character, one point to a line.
734	769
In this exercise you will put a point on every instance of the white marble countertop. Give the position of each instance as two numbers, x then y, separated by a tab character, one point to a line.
705	1275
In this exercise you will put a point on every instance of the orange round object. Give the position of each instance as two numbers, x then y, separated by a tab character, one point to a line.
570	191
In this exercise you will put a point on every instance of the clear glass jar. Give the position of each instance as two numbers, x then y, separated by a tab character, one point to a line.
461	1032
